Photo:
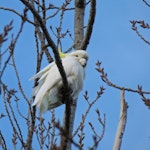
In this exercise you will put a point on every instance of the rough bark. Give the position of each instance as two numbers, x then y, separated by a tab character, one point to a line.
79	23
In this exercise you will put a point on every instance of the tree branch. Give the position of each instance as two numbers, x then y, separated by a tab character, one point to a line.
146	3
90	24
18	14
122	122
78	37
79	23
143	25
70	110
105	79
2	141
51	44
58	63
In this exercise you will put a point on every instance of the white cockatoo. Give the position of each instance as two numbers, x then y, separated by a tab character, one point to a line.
48	93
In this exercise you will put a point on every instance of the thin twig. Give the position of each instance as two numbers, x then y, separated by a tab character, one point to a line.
12	47
2	141
7	100
19	131
53	126
90	104
98	137
144	99
19	111
18	14
143	25
54	14
3	38
111	84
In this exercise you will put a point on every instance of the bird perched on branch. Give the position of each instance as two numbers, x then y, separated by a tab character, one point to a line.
48	93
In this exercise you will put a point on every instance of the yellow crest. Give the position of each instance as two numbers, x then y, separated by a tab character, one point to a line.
61	54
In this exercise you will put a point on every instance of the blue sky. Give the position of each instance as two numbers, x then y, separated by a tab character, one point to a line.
124	56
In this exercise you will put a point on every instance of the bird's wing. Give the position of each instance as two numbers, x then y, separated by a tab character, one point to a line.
41	76
52	79
43	73
51	100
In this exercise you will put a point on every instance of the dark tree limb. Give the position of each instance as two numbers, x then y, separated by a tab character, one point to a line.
146	3
58	63
50	42
90	24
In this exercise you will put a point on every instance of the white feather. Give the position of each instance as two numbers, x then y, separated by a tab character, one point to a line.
43	72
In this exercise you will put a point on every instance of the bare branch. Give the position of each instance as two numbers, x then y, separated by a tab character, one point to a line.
79	23
97	137
18	129
122	122
10	113
12	47
2	141
51	44
58	63
68	124
71	108
146	102
144	99
70	139
90	104
54	14
18	14
146	3
90	24
104	77
143	25
3	38
81	135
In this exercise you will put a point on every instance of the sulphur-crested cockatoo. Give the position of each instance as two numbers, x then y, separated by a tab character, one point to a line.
48	93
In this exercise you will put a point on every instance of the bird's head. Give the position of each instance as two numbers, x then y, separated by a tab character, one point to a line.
81	56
